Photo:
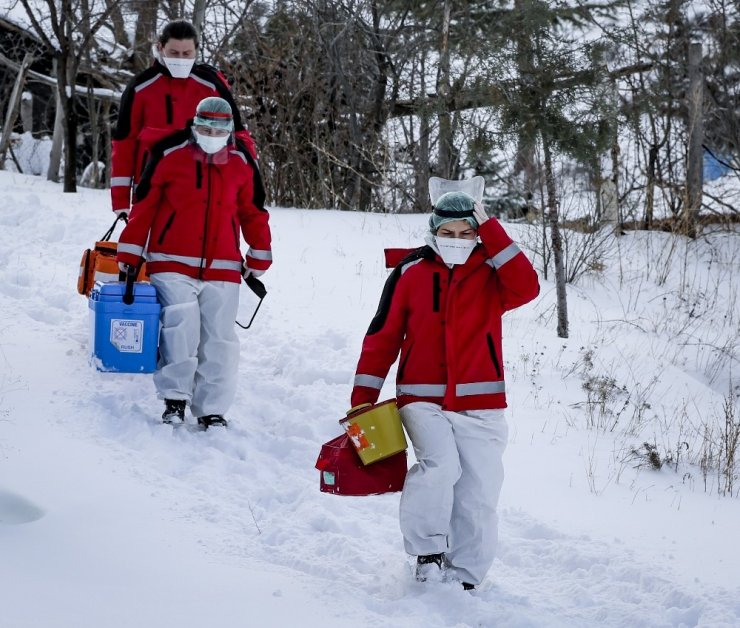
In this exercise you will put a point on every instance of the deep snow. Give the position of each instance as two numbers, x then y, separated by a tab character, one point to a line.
108	519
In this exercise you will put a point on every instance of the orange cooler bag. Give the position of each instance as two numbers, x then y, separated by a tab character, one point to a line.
99	264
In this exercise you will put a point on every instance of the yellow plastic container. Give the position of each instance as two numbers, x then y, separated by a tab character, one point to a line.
376	431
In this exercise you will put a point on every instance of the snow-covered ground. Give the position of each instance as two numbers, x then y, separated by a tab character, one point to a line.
109	519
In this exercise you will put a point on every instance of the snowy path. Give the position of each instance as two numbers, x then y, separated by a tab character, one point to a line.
108	519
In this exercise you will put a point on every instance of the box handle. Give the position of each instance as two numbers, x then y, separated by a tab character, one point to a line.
128	295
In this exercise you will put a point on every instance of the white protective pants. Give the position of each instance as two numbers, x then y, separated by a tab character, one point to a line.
449	499
198	345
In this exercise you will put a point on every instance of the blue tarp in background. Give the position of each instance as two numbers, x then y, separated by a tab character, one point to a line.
713	167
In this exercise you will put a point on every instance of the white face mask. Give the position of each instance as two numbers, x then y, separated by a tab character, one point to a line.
211	144
179	68
455	250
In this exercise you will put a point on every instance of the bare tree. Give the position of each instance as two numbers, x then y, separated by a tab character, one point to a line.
56	24
145	12
199	14
118	27
317	104
553	219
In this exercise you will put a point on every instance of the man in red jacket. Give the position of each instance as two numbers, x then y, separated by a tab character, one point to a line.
441	308
200	189
160	100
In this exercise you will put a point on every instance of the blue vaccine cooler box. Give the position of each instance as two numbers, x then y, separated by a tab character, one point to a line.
124	338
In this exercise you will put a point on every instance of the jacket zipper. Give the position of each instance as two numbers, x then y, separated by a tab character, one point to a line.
449	355
168	108
492	351
144	159
402	368
236	233
167	226
205	222
436	290
198	175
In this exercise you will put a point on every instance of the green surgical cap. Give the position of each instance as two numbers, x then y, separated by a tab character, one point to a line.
214	112
451	207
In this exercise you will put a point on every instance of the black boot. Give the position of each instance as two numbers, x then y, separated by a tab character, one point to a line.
430	567
174	411
212	419
468	587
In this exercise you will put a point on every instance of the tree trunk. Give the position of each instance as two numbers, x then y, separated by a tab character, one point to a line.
57	143
694	169
557	243
107	140
85	27
146	28
421	163
199	15
524	162
650	187
444	167
13	106
615	156
117	24
614	187
610	206
27	112
94	117
423	202
377	117
70	145
67	99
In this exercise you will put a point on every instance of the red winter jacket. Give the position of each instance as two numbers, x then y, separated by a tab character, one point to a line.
446	322
190	208
153	106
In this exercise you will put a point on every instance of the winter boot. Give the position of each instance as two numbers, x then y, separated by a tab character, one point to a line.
468	587
430	567
174	411
212	419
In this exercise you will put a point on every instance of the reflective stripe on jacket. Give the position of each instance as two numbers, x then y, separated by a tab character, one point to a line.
446	324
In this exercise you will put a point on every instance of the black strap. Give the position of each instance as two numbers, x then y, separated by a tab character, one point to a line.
108	234
443	213
256	286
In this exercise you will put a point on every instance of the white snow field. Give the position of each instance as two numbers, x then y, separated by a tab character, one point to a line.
109	519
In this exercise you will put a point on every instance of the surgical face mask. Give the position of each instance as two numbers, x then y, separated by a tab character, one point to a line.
455	250
179	68
211	144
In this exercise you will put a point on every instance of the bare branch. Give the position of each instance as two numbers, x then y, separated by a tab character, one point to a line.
37	25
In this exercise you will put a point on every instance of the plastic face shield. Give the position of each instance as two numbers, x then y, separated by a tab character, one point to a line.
473	187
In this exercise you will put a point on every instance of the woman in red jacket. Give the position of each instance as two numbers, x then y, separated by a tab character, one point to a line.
199	192
441	308
160	100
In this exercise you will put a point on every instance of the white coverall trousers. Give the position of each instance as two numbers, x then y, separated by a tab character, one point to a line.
198	345
449	499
